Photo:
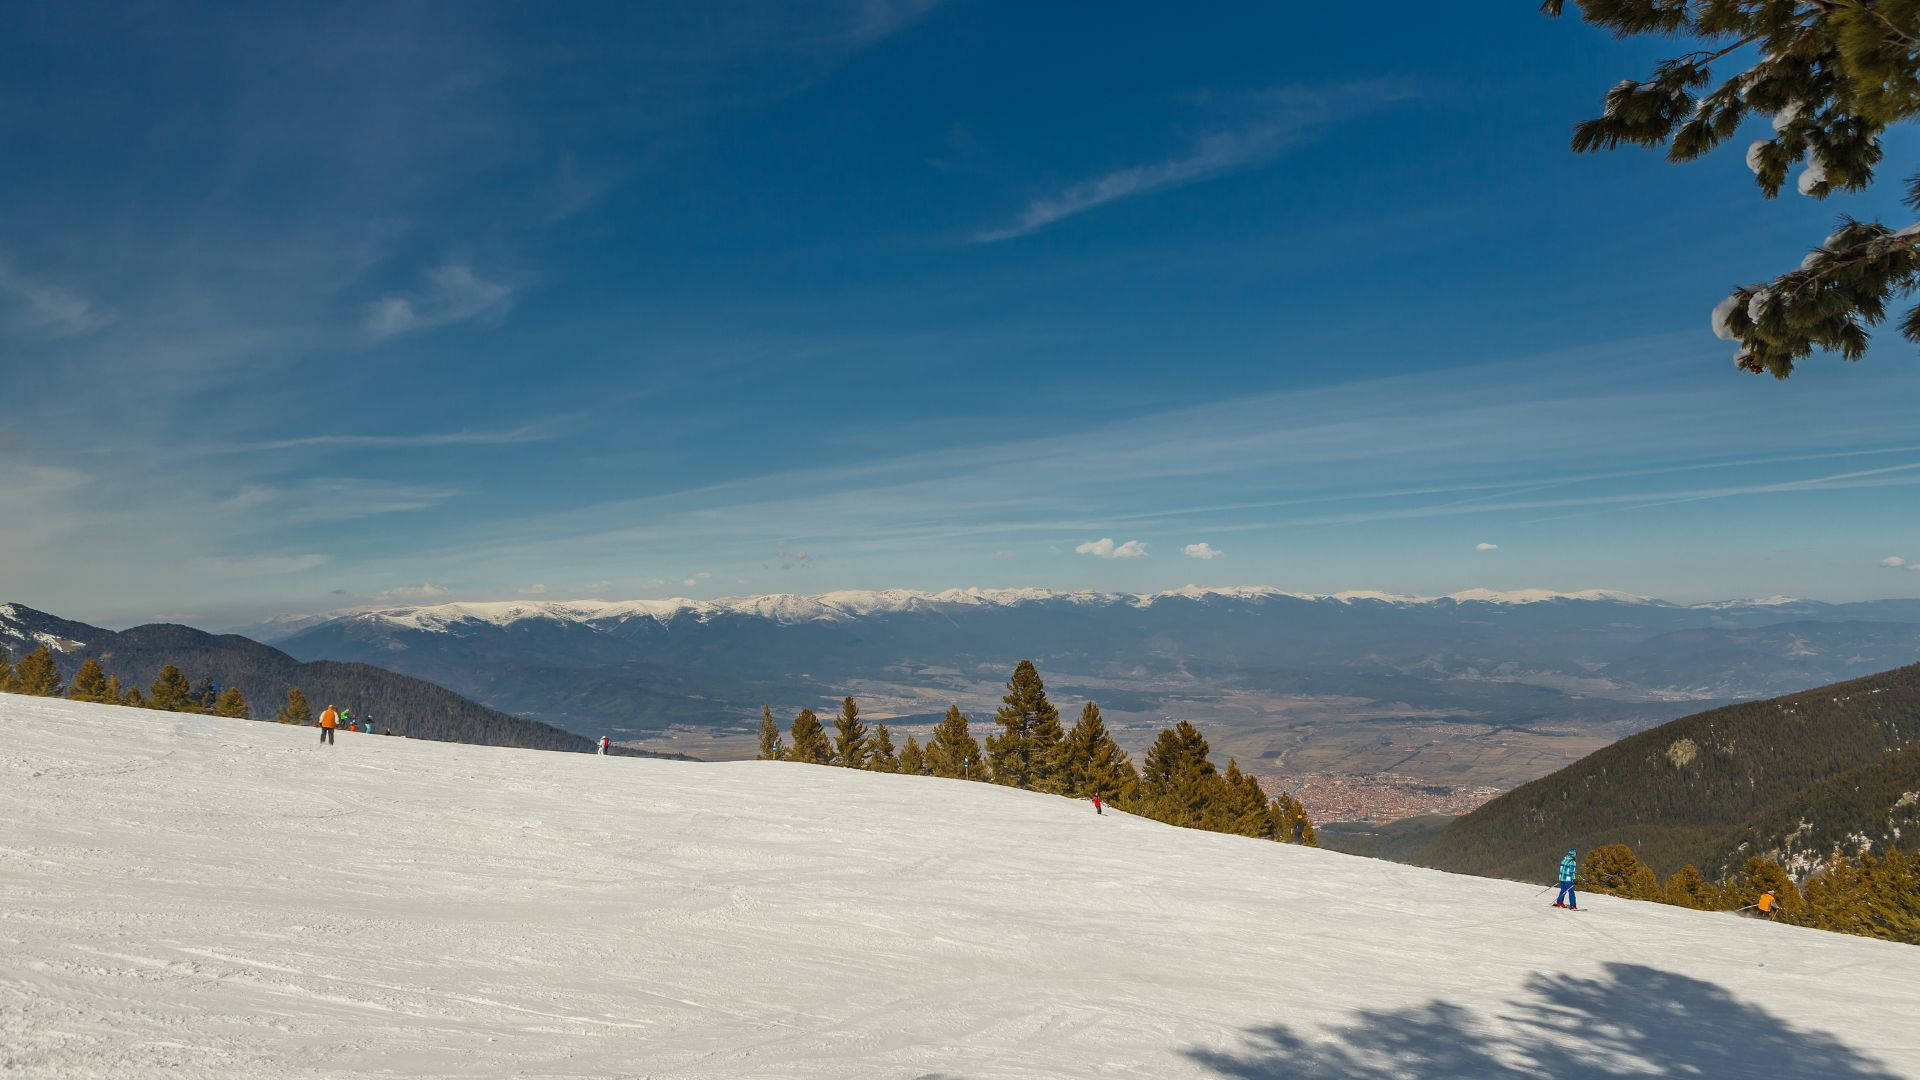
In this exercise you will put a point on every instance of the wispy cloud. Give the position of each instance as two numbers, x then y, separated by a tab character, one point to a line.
506	437
426	590
48	310
1105	548
454	294
1485	546
1202	550
535	589
696	580
1288	115
1895	562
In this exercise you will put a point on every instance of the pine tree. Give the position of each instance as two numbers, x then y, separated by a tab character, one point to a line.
953	751
1758	876
1025	753
171	691
1089	763
296	710
913	760
1834	76
810	739
114	694
881	757
1615	870
1243	806
1834	897
231	702
1290	822
37	674
6	673
133	699
90	683
851	744
771	748
1688	888
1178	782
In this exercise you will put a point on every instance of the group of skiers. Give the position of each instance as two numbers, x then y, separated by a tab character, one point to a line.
332	719
1570	869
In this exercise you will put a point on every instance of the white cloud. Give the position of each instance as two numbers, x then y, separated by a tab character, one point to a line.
596	586
507	437
695	580
1202	550
1286	114
536	589
1484	546
1105	548
426	590
454	294
47	310
1893	562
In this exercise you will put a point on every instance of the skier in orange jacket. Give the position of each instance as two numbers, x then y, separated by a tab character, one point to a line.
328	721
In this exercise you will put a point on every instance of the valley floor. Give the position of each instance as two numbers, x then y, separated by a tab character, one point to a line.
194	897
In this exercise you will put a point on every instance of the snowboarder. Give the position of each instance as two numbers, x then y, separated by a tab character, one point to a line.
1096	805
1569	869
328	721
605	741
1765	906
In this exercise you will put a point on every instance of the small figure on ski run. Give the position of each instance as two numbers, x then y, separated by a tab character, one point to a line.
1096	805
328	721
1765	906
1569	869
605	741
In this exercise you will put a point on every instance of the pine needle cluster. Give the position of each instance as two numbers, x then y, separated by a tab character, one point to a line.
1832	75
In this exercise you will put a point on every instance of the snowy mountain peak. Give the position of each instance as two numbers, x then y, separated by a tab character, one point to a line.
846	604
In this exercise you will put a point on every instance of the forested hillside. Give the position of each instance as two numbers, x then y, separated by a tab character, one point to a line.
1788	778
264	675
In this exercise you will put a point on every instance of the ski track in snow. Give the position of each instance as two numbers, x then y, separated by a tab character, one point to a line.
194	897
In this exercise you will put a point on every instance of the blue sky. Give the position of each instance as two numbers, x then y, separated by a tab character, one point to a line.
302	310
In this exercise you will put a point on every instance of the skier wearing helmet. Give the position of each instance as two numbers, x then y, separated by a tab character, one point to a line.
1569	869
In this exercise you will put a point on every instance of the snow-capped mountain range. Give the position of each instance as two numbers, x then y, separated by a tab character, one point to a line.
1595	655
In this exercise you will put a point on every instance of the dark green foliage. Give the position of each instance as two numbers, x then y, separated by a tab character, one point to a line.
1291	824
1616	871
810	739
913	760
881	756
771	748
37	674
1178	783
851	744
1834	76
1699	788
296	710
1024	753
205	694
231	702
133	699
953	751
6	673
171	692
115	694
1090	763
90	684
1689	888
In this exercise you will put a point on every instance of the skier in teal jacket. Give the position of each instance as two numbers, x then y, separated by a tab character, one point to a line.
1569	869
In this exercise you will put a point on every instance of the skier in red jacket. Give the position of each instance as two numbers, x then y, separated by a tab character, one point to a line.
1096	805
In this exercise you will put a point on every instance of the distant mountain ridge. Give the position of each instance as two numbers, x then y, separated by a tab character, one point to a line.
1514	657
402	704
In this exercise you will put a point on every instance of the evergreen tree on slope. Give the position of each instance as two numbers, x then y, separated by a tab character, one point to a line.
810	739
6	673
851	744
37	674
171	691
1178	782
771	748
90	683
952	747
1025	753
1090	763
297	711
913	760
881	757
231	702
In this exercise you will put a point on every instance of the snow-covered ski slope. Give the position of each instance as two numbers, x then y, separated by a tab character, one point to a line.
187	897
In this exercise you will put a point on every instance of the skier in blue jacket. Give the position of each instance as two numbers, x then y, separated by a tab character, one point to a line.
1569	868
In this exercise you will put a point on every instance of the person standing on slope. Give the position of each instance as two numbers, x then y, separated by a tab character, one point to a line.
328	721
1569	869
1096	805
605	741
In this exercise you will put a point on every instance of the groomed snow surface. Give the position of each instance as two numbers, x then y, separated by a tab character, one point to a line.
194	897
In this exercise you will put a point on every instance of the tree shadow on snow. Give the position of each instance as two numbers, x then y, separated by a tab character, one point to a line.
1632	1022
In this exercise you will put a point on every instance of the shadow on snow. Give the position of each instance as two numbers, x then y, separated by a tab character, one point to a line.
1632	1022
